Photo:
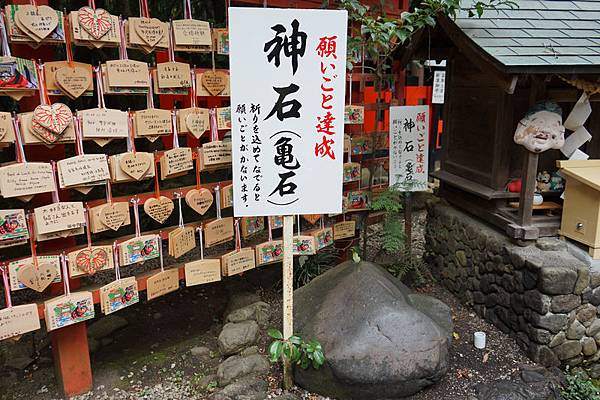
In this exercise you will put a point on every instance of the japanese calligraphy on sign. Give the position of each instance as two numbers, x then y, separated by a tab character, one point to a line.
439	86
409	139
287	110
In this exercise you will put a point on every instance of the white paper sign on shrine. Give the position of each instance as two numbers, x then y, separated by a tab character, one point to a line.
409	147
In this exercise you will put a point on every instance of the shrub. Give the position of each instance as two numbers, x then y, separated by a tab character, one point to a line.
578	387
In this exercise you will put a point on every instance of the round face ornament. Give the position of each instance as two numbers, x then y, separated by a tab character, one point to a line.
541	128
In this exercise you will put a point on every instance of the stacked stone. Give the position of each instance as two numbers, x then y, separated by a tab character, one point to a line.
540	294
241	374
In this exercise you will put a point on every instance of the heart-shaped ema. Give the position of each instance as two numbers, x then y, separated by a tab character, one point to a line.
73	81
91	260
95	22
199	200
37	277
150	30
197	122
312	218
135	164
159	209
56	117
113	215
42	133
37	21
214	81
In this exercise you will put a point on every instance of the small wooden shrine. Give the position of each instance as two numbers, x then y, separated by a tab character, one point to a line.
499	66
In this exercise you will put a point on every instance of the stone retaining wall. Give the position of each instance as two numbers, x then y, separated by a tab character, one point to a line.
540	294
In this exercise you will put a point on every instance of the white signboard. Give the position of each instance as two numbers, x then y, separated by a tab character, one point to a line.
409	146
288	70
439	87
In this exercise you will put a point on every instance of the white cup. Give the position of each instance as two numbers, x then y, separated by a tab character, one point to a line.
479	340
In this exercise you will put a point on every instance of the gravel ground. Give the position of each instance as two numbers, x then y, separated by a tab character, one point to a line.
152	359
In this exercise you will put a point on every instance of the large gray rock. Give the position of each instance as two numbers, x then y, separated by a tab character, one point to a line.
236	336
377	343
235	367
435	309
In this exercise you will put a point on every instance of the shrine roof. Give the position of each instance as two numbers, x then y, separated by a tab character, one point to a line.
539	34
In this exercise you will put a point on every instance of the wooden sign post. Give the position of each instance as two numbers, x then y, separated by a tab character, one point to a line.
288	293
275	159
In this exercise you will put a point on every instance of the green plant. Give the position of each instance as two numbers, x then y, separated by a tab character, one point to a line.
391	203
578	387
295	350
410	269
355	253
401	262
306	268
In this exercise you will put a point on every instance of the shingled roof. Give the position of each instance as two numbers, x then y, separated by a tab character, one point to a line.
544	34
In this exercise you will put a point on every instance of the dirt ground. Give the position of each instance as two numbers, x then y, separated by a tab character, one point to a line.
153	357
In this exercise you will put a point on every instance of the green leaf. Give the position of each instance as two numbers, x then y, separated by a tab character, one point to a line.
275	333
479	9
402	35
305	362
287	350
295	354
318	359
295	340
275	350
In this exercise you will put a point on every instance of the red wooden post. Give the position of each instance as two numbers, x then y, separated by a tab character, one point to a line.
72	360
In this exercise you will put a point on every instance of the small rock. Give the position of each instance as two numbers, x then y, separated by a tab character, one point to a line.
236	336
576	330
586	312
558	339
569	349
249	351
557	280
461	257
589	346
200	351
595	371
565	303
552	322
106	326
594	328
259	312
537	301
207	380
287	396
156	316
247	388
583	280
532	374
236	367
550	244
